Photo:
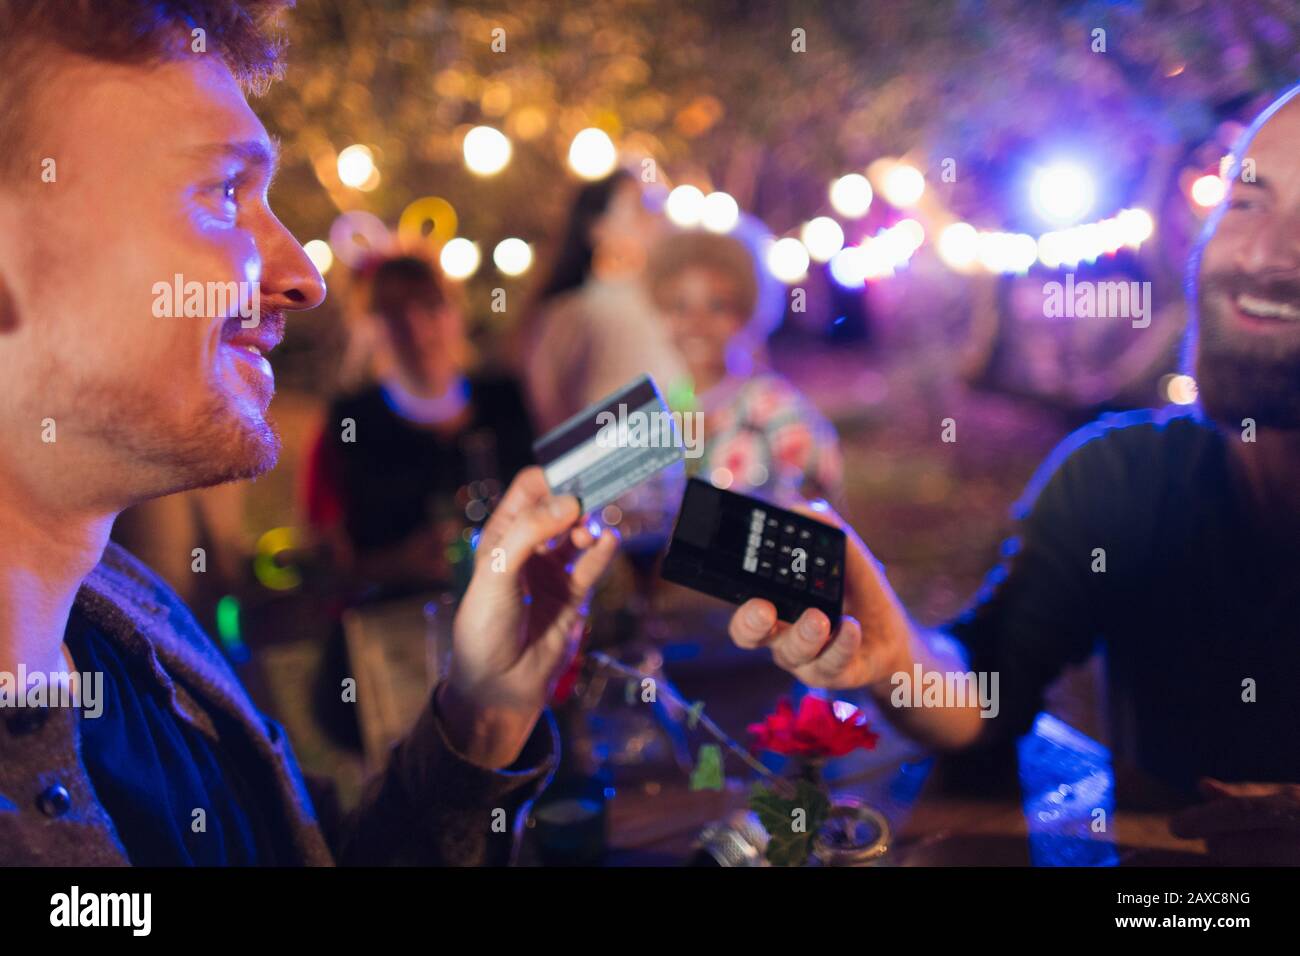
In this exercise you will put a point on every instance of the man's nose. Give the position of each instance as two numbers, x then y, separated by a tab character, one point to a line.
290	280
1274	249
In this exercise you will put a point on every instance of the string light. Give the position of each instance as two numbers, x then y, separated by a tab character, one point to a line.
788	260
1062	193
851	195
1179	389
685	206
356	167
903	185
959	246
823	237
487	150
459	258
1208	191
849	267
719	212
320	254
513	256
592	154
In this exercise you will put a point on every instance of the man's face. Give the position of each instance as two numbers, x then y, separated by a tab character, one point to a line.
1248	298
160	172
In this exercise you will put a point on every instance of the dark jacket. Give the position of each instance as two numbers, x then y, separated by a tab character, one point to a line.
429	805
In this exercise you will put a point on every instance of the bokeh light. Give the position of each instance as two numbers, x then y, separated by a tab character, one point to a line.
320	254
513	256
356	235
959	246
1179	389
1062	193
487	150
851	195
849	267
356	166
459	258
903	185
720	212
685	206
592	154
910	234
1208	191
788	260
823	237
1007	253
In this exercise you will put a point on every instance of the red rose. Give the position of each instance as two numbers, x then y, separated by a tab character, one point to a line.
815	731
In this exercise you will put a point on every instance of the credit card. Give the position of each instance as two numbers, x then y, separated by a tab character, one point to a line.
611	446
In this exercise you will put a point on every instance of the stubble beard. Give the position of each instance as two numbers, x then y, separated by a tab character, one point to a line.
1240	374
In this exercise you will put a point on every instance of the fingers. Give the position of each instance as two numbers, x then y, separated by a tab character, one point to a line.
583	536
528	488
593	560
806	648
798	645
755	625
834	665
752	623
533	527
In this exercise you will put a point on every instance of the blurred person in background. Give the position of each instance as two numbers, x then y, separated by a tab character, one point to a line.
592	329
1170	537
406	467
761	435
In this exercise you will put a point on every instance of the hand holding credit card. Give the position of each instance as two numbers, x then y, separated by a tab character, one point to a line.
611	446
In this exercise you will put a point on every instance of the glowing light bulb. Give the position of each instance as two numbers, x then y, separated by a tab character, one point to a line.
459	258
513	256
903	185
720	212
851	195
685	206
1062	193
320	254
487	150
592	154
356	166
823	237
788	260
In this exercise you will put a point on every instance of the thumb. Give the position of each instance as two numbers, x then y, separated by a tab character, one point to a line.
545	520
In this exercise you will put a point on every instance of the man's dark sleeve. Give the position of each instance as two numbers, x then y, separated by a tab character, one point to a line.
1046	604
432	807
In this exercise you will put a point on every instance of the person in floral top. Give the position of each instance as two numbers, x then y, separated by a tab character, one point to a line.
761	435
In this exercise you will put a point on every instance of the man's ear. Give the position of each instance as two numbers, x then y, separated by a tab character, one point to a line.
8	230
8	308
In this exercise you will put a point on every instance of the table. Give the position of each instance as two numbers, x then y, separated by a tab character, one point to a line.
1054	804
